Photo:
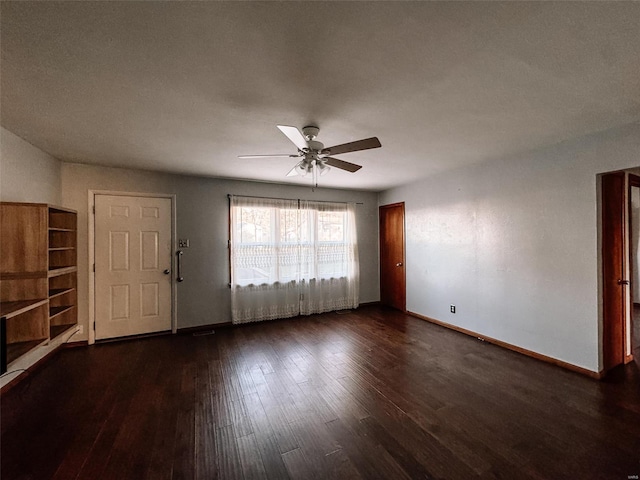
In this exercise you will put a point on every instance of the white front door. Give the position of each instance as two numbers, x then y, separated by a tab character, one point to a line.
133	265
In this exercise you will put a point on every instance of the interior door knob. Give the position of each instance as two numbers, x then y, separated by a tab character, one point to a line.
623	282
167	271
399	264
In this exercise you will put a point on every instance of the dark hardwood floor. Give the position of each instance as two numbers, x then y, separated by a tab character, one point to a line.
368	394
635	333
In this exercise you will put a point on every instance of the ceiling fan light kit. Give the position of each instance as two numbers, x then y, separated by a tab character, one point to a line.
315	157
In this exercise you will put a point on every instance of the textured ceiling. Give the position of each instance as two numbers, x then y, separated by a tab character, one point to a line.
185	87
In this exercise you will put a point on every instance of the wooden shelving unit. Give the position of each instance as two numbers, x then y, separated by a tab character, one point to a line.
38	275
62	270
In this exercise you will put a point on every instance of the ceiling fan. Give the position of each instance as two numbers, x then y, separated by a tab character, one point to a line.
315	158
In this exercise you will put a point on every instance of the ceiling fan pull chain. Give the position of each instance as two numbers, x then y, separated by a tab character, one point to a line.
314	165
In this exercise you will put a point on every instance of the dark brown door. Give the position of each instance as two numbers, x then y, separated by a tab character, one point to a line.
634	333
392	272
614	282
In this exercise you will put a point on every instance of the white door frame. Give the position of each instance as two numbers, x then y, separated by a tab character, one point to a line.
92	253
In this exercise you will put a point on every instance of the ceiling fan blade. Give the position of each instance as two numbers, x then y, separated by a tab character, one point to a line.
349	167
365	144
294	135
277	155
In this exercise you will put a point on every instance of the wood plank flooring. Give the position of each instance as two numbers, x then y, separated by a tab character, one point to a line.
635	333
366	394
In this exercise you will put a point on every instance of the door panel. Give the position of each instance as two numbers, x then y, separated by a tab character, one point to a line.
119	251
132	251
392	268
149	250
613	271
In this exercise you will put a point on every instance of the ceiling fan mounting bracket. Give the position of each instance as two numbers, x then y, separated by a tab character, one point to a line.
310	132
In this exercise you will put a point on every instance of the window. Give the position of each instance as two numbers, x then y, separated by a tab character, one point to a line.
288	241
291	257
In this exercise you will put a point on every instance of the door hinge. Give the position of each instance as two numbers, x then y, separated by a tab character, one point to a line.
94	326
94	268
93	209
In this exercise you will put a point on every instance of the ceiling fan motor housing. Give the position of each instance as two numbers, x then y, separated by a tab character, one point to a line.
314	146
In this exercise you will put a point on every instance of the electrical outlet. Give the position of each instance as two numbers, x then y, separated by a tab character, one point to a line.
183	243
452	308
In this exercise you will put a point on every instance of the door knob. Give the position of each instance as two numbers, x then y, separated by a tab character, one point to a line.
167	271
399	264
623	282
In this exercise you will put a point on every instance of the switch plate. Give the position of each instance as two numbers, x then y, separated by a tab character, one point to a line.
452	308
183	243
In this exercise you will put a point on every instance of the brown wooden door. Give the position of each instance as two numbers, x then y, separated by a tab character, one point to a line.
392	268
633	335
613	262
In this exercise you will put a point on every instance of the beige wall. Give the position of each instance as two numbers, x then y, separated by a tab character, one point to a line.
27	174
202	217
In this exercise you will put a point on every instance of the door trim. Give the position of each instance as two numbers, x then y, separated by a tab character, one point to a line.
92	253
632	181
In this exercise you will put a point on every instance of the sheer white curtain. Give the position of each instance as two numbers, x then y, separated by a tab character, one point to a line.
291	257
331	279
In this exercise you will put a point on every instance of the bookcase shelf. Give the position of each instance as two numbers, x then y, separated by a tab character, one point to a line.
56	271
54	292
38	276
18	307
16	349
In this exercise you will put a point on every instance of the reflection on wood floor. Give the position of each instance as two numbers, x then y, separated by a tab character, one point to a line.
371	393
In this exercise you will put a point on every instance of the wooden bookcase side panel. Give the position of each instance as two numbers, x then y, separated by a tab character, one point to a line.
29	326
23	229
15	289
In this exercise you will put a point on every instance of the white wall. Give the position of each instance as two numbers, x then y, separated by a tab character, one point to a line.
513	243
202	217
27	174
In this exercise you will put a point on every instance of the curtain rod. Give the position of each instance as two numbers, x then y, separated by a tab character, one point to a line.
229	195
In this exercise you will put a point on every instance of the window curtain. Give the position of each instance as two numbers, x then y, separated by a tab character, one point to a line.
291	257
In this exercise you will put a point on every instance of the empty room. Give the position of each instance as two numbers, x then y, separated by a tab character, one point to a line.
319	240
